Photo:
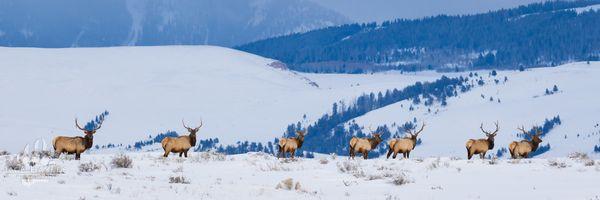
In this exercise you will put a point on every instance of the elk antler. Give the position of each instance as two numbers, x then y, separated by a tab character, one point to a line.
182	122
201	123
99	124
79	127
420	130
522	129
487	133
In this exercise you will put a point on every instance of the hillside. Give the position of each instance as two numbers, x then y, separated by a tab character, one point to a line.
540	34
148	90
101	23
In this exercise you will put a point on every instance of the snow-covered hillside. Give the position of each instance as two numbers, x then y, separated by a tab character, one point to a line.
260	176
148	90
523	102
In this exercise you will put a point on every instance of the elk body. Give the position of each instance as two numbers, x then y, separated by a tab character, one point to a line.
364	145
404	145
290	144
181	144
481	146
525	147
75	145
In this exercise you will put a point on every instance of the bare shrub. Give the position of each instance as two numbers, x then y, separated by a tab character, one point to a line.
53	170
557	164
122	161
89	167
286	184
212	156
589	162
179	180
4	153
578	156
351	167
323	161
14	164
401	179
41	154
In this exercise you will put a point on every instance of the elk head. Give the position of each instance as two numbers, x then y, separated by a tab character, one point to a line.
413	135
192	132
89	134
300	135
535	138
488	134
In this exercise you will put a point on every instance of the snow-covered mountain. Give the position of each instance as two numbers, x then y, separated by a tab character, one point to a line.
71	23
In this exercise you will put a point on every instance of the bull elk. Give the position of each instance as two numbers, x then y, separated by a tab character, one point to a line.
291	144
404	145
181	144
364	145
75	145
481	146
525	147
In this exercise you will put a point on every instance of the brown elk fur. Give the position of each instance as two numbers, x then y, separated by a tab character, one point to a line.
290	144
74	145
525	147
181	144
364	145
481	146
404	145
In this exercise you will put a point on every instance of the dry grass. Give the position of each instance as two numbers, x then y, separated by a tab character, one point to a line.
53	170
122	161
90	167
14	164
179	180
401	179
557	164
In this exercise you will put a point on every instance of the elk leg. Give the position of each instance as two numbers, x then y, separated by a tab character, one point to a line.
166	154
407	155
469	154
293	153
365	155
395	154
526	155
482	155
77	156
389	153
185	153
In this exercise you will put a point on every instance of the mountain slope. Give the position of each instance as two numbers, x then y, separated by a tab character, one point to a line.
148	90
70	23
544	34
523	102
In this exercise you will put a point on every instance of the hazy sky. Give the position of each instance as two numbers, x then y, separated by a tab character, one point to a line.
381	10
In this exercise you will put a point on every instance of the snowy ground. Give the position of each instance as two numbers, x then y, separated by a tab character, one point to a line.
260	176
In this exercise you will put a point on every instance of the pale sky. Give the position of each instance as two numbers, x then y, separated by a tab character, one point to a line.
381	10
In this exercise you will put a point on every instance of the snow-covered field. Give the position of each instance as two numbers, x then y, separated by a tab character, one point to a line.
261	176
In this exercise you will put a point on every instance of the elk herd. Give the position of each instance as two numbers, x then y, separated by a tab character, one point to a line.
182	144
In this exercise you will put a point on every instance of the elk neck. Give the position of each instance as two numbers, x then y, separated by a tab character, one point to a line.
374	142
88	141
192	137
490	142
300	140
